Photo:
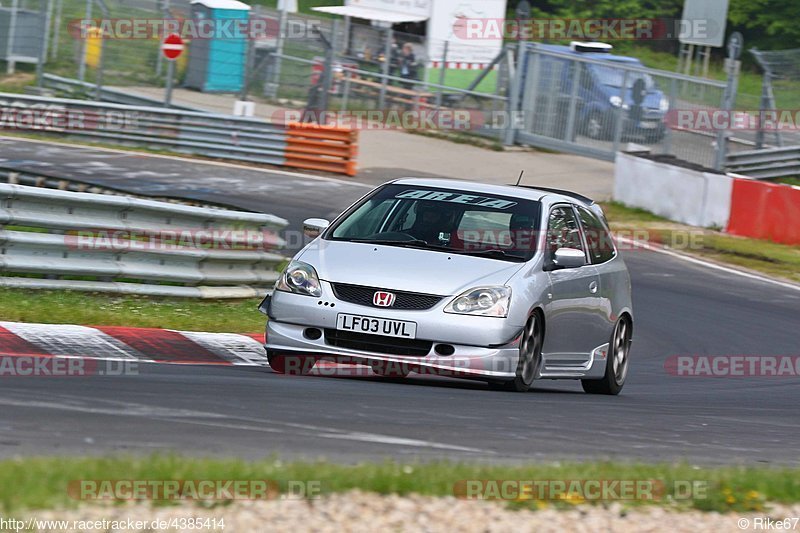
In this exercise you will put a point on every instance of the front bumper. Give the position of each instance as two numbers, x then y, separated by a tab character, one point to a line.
483	347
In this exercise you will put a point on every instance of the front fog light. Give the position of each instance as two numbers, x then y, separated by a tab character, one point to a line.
482	301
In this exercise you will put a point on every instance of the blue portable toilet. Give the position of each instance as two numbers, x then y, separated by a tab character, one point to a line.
218	55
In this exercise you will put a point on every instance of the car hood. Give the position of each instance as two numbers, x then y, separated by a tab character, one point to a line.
404	269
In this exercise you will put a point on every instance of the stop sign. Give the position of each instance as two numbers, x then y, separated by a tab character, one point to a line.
172	46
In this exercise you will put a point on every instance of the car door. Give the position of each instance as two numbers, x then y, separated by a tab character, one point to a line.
614	281
573	321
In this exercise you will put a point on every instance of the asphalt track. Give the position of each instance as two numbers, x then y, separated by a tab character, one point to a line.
681	308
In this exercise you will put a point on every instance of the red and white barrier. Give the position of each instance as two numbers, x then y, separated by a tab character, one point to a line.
740	205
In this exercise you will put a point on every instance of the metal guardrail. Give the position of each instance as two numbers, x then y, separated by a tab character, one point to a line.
83	89
766	163
130	245
205	134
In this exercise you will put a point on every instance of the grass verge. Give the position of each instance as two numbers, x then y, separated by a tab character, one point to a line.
69	307
773	259
41	483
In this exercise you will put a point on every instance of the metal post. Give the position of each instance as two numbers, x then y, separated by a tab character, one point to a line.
57	29
12	26
765	82
387	56
170	74
44	10
573	102
98	95
442	75
249	58
618	115
327	78
673	90
48	19
346	94
728	99
513	100
82	60
276	68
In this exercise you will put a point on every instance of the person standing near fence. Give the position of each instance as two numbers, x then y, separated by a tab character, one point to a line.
409	68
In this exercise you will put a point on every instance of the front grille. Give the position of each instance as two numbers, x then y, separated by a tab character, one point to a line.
377	343
357	294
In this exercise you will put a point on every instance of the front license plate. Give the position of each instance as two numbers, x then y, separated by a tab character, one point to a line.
648	125
376	326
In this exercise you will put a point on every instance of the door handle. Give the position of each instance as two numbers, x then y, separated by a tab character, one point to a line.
593	287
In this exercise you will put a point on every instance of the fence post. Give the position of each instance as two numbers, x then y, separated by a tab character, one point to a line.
84	41
98	95
276	68
57	29
618	115
513	99
44	11
673	89
728	99
387	59
12	26
442	74
573	102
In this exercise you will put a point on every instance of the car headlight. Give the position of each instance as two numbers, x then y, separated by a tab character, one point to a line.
663	104
615	100
299	278
482	301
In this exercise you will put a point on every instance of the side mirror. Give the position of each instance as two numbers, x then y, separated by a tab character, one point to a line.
312	227
569	258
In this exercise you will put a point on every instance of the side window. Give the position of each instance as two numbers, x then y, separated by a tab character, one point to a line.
563	230
598	239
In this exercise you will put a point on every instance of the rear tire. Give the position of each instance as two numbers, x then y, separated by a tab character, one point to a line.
530	358
293	365
616	362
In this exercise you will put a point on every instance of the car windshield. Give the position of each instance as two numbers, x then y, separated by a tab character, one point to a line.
613	77
445	220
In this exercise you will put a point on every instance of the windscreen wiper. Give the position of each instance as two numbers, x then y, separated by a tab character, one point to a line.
411	243
493	253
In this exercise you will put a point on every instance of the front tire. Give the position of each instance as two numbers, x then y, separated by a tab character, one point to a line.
530	357
616	362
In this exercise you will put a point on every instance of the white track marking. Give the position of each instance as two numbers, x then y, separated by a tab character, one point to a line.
192	160
237	349
75	341
708	264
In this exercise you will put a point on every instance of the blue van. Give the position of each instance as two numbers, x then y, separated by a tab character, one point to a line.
599	95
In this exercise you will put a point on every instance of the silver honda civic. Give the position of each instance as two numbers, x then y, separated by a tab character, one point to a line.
505	284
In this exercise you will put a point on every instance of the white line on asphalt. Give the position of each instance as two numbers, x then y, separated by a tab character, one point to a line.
708	264
192	160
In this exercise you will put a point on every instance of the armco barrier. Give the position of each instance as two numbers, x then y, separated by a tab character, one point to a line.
204	134
327	148
130	245
677	193
765	211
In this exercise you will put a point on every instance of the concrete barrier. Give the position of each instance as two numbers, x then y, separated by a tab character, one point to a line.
680	194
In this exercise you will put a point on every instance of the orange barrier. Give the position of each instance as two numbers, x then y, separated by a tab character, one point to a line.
765	211
327	148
